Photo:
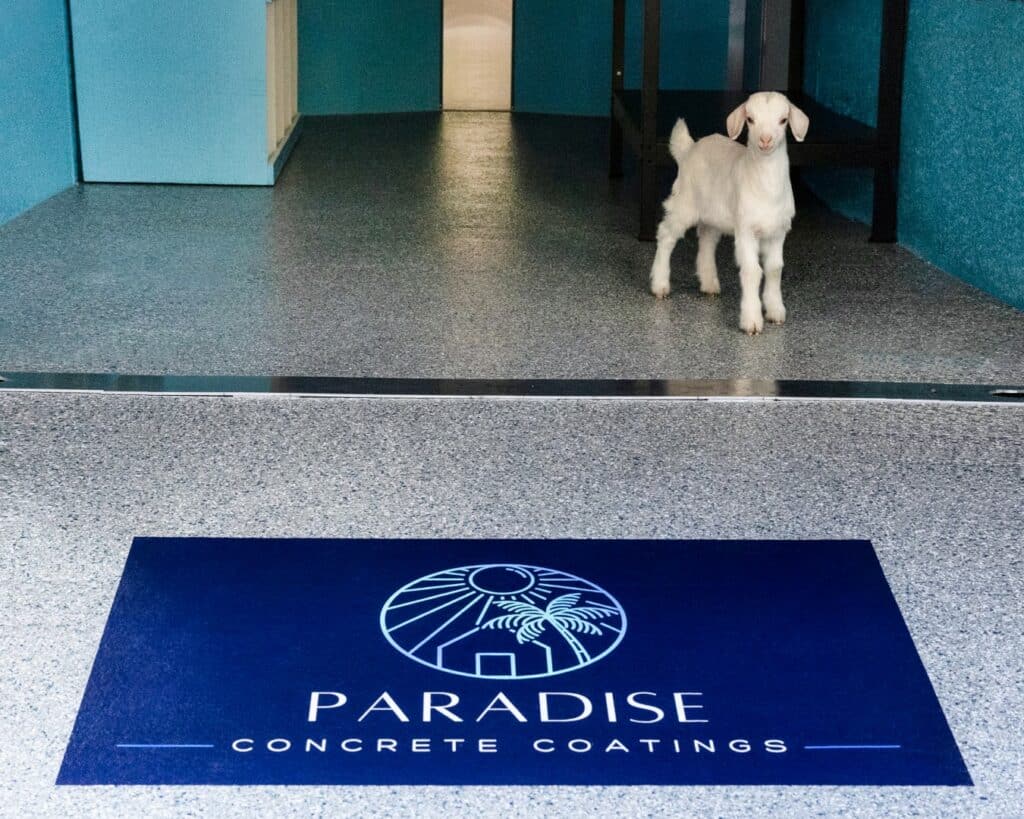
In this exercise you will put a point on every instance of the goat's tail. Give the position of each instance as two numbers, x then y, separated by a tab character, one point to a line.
680	142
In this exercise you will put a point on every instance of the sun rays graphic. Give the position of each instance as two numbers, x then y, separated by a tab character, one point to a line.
503	621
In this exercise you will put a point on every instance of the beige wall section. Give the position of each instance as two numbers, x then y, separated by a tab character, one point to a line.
477	55
282	72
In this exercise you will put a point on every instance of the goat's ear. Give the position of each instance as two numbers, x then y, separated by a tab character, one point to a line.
735	121
799	122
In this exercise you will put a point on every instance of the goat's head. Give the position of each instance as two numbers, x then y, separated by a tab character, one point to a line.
766	115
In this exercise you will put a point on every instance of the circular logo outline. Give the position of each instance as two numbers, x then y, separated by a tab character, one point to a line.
473	570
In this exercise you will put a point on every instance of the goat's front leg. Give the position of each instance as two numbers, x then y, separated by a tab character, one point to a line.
747	247
774	309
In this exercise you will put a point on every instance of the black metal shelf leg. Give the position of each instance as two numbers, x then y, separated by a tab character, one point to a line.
884	220
884	211
649	205
618	78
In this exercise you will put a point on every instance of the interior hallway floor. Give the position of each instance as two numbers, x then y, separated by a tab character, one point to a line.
937	488
458	245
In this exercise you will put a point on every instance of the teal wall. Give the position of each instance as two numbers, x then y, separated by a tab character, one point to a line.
369	56
36	131
962	151
962	178
563	56
841	56
172	92
694	42
563	51
841	70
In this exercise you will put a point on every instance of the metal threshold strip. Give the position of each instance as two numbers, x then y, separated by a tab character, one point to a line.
686	389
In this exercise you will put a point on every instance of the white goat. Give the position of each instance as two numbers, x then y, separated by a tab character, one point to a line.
723	187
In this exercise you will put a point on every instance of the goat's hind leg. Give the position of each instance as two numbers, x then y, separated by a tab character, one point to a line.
707	271
670	231
661	271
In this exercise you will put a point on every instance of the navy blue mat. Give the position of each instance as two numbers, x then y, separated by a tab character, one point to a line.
507	662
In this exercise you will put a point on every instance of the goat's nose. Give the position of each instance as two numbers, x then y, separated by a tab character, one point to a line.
765	141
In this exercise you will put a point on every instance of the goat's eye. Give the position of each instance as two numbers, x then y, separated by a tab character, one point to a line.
750	120
783	121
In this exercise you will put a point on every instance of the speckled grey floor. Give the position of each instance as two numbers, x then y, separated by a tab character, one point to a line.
463	245
937	487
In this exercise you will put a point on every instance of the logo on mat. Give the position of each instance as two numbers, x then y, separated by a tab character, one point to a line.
503	621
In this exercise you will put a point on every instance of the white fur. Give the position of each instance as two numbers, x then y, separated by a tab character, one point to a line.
724	187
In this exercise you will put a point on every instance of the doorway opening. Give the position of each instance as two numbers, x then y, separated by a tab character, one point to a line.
477	55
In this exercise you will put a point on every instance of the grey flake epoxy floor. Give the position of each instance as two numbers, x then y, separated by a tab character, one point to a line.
461	246
938	488
457	245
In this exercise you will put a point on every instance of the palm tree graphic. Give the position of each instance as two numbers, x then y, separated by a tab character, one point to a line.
562	614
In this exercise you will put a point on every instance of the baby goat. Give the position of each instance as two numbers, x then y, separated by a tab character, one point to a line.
723	187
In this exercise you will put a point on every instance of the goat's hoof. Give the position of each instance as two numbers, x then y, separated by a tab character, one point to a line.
712	289
776	315
752	326
660	291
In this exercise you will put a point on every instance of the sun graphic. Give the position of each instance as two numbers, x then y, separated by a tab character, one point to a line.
503	621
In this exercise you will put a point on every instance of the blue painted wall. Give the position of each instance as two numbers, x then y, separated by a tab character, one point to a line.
961	201
172	92
359	57
37	146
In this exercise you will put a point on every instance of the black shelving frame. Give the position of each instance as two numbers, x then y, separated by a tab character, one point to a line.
643	118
